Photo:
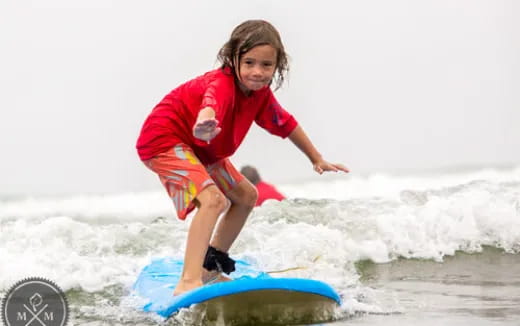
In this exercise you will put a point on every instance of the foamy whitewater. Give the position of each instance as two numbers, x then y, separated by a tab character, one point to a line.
94	246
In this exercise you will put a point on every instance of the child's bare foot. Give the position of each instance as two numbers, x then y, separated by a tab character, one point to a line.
213	277
185	286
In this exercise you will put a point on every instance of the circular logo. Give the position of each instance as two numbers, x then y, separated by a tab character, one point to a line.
35	302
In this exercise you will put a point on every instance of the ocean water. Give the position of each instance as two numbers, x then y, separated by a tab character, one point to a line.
436	248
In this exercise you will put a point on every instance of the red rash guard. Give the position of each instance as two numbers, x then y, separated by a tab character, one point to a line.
171	121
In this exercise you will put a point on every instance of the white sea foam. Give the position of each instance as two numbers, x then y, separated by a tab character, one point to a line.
93	209
343	187
91	242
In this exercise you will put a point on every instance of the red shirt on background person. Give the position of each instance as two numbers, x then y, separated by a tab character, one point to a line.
265	190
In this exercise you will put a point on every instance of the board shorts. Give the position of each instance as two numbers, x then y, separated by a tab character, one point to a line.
184	177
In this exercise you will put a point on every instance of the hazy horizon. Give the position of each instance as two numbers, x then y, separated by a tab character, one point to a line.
377	85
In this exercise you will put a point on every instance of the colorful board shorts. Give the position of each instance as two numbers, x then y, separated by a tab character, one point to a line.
184	177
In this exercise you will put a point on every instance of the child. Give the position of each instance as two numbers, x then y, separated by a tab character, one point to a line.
189	136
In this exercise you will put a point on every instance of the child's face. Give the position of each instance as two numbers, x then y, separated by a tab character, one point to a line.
257	68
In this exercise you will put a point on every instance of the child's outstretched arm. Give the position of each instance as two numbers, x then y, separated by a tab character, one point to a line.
300	139
205	127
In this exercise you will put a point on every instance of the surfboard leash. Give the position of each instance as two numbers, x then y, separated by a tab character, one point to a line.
294	268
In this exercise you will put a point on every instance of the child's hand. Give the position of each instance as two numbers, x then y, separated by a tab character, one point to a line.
206	129
322	166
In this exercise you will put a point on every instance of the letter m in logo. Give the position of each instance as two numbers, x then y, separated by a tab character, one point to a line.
21	316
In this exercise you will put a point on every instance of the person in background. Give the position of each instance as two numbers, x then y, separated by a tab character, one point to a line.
265	190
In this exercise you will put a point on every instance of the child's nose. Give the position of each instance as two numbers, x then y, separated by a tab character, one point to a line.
257	70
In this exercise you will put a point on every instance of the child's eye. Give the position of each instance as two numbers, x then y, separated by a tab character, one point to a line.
268	64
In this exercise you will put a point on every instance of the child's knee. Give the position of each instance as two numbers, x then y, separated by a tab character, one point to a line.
213	199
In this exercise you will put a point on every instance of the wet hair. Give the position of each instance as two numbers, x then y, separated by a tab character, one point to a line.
246	36
251	174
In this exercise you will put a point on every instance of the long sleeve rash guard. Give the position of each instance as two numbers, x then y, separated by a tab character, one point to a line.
172	120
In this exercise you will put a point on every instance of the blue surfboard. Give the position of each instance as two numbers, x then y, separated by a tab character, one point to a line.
251	295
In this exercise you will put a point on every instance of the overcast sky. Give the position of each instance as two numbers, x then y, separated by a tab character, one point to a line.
378	85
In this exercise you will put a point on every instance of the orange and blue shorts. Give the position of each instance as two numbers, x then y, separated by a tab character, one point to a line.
184	176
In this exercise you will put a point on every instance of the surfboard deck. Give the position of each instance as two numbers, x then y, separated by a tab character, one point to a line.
251	296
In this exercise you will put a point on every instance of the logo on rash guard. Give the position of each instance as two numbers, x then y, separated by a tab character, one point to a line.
275	111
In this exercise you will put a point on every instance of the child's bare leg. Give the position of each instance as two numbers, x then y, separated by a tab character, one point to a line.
211	204
243	199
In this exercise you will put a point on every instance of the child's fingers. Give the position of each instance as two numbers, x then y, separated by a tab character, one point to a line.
328	167
331	168
206	133
205	127
208	122
341	167
212	134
